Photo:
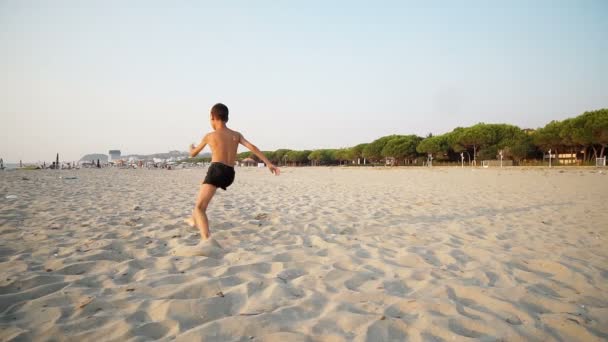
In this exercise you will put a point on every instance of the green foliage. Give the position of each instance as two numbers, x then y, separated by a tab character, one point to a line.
244	155
322	157
292	156
571	132
298	157
588	130
357	150
303	156
489	152
401	147
373	151
452	139
486	140
548	137
279	155
596	126
518	147
472	137
270	155
434	144
344	154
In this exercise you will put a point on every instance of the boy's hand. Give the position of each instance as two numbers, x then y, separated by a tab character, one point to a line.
192	147
274	169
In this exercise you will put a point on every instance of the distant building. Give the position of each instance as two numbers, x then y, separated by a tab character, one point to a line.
567	158
114	155
248	162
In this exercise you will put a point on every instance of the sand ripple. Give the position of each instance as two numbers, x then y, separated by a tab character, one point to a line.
317	254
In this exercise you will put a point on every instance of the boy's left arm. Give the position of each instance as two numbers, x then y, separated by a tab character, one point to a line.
194	150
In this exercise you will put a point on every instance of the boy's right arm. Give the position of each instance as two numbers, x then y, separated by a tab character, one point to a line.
260	155
194	150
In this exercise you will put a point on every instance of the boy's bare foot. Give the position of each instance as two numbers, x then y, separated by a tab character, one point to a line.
190	221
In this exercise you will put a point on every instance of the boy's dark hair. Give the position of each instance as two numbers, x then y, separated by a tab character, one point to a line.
220	111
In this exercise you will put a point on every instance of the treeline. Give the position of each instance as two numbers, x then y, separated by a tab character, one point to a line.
585	137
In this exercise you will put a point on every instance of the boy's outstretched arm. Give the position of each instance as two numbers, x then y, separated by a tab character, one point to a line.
194	150
260	155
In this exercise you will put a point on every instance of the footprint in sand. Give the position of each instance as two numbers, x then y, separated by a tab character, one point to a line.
209	248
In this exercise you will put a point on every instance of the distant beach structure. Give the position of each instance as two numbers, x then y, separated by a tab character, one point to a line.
114	155
248	162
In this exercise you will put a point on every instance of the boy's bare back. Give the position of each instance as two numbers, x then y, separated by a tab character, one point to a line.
224	143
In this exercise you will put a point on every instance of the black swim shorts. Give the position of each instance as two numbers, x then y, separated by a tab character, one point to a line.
219	175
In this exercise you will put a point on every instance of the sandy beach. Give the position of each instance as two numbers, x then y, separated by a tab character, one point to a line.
317	254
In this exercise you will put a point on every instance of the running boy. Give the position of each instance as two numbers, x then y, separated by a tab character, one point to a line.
223	143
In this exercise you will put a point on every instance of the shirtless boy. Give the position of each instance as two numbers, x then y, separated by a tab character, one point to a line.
224	143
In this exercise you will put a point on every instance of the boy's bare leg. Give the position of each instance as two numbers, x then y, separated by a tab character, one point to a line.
199	213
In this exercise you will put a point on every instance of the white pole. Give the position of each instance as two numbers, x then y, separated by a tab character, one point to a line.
549	158
501	159
462	159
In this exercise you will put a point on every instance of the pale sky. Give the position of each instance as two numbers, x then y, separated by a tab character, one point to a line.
81	77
